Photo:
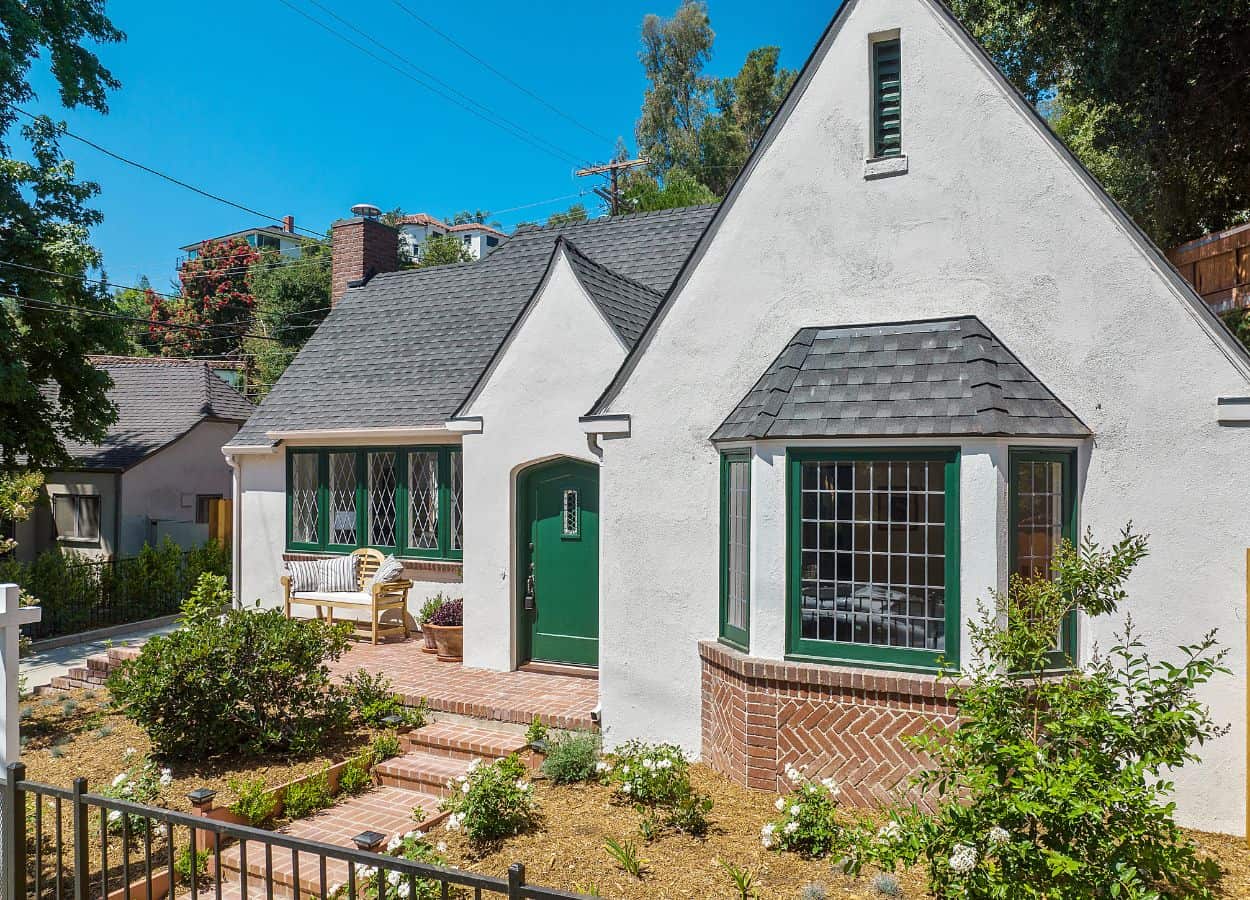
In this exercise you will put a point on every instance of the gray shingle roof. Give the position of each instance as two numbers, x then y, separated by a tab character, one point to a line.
408	347
941	378
626	303
158	401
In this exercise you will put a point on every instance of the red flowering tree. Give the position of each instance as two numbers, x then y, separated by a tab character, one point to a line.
215	296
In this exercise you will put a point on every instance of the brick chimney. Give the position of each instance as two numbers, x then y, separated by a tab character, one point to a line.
288	224
363	247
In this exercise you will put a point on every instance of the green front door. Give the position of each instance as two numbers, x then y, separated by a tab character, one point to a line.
559	579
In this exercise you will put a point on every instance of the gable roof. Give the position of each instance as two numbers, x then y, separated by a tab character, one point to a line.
627	304
1236	353
943	377
407	348
158	400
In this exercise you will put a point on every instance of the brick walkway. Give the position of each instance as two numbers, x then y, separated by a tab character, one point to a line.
561	701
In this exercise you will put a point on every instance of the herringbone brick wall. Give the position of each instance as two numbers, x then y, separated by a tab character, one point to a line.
759	716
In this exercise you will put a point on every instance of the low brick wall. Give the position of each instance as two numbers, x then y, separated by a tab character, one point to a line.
761	715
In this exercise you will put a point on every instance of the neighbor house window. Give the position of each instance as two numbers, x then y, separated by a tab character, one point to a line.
1043	514
204	507
887	99
874	556
402	500
76	516
735	541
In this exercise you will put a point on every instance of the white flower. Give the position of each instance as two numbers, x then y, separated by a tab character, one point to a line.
831	786
795	809
626	788
791	827
474	764
999	836
122	778
416	834
464	788
780	804
335	888
394	877
888	832
766	836
648	764
462	778
453	822
441	847
624	770
793	774
114	815
166	778
167	773
394	844
128	752
403	889
368	871
963	859
664	764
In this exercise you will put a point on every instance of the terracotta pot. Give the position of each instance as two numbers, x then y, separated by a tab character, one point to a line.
430	646
449	639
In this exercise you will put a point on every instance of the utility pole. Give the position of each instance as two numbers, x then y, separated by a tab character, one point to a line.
611	194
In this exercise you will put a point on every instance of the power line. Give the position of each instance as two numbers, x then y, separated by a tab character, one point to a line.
171	179
488	116
503	75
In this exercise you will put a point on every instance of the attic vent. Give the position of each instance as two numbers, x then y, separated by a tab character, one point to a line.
887	99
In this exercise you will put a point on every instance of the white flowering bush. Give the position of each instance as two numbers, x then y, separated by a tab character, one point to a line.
414	846
809	822
1055	784
492	801
141	782
655	779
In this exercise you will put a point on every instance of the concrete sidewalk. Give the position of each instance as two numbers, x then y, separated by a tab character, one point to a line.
43	665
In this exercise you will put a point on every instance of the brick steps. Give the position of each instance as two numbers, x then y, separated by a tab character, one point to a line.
464	741
94	674
417	771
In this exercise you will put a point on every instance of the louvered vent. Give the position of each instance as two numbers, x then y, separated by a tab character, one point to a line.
887	99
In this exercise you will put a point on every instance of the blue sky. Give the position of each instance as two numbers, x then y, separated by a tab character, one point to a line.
252	101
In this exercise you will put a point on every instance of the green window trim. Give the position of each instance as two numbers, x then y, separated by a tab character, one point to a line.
738	637
864	655
887	99
449	544
1066	458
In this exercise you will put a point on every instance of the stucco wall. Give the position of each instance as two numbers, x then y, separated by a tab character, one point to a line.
556	364
164	486
991	221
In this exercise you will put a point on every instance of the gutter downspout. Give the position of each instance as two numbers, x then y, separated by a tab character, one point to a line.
236	521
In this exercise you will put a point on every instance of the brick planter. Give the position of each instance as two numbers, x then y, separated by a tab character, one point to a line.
761	715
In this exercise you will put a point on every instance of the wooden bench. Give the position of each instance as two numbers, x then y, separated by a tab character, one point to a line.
373	598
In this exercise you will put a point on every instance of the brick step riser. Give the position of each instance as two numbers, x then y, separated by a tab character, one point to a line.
412	741
424	782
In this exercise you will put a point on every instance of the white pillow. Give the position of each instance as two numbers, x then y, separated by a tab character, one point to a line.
390	569
337	574
303	574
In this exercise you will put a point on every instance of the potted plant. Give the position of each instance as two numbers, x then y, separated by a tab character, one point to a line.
428	609
447	624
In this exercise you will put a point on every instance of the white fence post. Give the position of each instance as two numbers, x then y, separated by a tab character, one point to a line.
12	616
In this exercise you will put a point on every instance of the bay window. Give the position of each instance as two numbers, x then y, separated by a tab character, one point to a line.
735	576
403	500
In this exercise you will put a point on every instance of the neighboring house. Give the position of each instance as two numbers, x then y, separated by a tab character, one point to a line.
264	238
154	474
1218	266
760	462
415	230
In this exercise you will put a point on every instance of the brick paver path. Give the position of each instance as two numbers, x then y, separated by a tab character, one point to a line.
561	701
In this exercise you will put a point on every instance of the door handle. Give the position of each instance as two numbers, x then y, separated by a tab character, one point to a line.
530	605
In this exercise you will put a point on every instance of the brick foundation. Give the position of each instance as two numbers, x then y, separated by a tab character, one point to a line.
761	715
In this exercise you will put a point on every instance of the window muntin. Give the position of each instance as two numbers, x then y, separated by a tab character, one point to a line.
76	516
736	549
570	515
887	99
1043	513
390	498
874	550
456	462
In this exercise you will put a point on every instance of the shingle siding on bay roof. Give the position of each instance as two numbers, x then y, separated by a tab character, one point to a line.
406	349
941	378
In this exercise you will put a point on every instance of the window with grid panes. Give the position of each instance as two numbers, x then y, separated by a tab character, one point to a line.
874	556
735	600
1043	513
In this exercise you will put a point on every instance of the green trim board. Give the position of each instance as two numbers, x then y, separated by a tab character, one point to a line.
735	636
1066	459
905	658
392	503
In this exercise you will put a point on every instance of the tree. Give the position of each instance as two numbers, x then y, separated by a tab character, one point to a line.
1154	99
215	295
136	303
49	392
679	188
574	215
479	216
292	298
442	250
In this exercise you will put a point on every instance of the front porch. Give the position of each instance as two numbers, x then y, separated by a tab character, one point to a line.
560	701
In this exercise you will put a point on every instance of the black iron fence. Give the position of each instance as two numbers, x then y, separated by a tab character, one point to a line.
78	594
68	844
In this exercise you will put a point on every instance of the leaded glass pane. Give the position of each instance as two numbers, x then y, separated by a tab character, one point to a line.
423	500
873	555
343	499
382	480
304	508
570	513
739	543
1039	522
457	501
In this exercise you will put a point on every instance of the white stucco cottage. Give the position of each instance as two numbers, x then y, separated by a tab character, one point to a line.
758	462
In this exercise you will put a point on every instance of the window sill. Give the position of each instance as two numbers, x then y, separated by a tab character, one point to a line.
877	664
884	167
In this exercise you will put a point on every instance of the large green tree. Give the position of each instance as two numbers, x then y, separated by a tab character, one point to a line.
1154	98
292	298
49	392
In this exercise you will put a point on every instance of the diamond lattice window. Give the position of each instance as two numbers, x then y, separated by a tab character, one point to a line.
304	509
382	483
457	502
343	499
423	500
571	524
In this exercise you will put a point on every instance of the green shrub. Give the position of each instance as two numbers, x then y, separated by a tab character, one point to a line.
372	698
253	801
1057	785
355	776
249	681
536	732
303	798
493	801
416	847
655	778
627	857
182	865
384	747
209	598
140	783
571	758
430	607
809	821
